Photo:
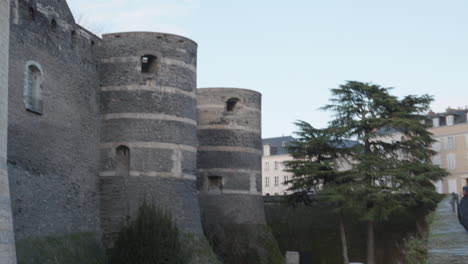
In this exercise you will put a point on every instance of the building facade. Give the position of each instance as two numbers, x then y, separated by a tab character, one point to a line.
450	129
274	174
96	126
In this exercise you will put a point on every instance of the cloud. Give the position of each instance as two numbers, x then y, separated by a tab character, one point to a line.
102	16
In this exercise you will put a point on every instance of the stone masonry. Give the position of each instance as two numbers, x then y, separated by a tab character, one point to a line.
7	243
153	114
229	155
98	125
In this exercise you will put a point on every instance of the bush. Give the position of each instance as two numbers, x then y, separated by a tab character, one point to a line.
151	238
244	244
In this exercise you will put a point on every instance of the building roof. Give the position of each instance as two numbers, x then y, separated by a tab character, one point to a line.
278	143
460	116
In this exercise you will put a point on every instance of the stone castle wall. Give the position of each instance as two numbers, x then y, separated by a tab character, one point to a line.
148	139
53	154
7	242
97	126
229	155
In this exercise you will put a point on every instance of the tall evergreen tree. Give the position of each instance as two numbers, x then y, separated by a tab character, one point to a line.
317	155
391	165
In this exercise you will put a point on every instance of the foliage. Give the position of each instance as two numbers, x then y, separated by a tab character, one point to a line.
149	239
390	166
317	154
200	248
244	244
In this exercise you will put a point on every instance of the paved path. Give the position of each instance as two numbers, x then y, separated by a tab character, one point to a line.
448	240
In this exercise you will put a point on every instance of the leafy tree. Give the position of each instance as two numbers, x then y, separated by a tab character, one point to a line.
317	155
151	238
391	166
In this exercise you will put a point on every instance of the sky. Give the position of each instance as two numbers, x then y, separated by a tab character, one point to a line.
294	52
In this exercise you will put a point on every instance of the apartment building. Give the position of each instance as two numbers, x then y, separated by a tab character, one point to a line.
450	129
274	175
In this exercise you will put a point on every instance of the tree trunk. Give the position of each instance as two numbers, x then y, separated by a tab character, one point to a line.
370	243
343	241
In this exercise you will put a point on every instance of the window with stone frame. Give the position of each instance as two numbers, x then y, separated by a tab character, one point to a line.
451	161
33	89
122	159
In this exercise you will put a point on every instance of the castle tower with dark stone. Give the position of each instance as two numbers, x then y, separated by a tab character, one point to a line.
148	130
229	154
96	126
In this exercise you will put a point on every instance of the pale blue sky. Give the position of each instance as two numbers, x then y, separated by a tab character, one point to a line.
294	51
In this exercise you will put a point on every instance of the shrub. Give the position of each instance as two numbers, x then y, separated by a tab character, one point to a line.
151	238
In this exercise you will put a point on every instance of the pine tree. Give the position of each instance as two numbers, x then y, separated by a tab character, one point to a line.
317	154
391	165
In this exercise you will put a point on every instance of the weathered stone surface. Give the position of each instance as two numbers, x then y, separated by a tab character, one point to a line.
7	240
53	158
448	240
157	123
229	165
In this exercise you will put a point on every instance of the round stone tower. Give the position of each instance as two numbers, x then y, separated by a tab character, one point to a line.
229	175
148	133
229	155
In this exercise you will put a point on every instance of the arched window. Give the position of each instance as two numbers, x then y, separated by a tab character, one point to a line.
73	36
31	13
33	89
53	25
148	64
122	159
231	104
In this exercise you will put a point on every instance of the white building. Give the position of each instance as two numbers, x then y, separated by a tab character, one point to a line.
274	175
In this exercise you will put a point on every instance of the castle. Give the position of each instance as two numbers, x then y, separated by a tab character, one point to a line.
91	127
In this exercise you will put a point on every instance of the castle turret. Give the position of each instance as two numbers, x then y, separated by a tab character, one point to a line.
229	167
148	134
230	153
7	242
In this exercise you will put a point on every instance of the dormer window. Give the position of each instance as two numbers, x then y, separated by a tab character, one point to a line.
449	120
148	64
435	122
